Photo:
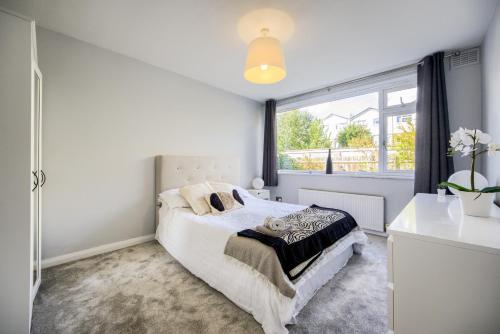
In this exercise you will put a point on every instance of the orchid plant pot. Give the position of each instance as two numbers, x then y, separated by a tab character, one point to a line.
476	203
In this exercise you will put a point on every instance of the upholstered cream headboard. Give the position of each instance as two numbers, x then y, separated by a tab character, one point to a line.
175	171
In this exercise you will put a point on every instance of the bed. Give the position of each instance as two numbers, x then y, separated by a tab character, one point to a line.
198	242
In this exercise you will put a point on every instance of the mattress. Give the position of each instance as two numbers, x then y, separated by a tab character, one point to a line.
198	242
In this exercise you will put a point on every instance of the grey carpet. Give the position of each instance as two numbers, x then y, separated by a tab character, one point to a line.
142	289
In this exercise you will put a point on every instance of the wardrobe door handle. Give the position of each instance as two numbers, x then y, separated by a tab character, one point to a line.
44	178
35	182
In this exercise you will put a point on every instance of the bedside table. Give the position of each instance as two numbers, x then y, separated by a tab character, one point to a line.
260	193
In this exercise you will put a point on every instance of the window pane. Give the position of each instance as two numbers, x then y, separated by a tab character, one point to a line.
350	127
400	142
401	97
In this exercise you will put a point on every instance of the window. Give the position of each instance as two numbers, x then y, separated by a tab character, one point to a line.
400	97
400	142
370	128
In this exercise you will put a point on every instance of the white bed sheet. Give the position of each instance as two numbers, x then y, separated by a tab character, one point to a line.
198	243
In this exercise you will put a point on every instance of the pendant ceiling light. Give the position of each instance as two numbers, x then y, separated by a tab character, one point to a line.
265	62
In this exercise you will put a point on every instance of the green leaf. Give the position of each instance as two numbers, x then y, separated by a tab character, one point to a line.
491	190
454	186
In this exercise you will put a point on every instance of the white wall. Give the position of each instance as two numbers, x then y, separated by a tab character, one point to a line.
397	192
491	95
105	117
464	92
464	105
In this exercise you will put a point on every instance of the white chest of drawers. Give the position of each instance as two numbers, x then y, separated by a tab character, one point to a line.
443	269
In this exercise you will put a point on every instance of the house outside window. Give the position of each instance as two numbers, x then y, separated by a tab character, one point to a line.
370	128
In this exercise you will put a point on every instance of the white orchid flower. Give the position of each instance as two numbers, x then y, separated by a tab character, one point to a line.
457	137
468	140
471	131
459	133
483	138
455	141
492	148
466	151
467	136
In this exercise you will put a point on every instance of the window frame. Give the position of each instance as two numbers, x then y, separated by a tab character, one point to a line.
382	87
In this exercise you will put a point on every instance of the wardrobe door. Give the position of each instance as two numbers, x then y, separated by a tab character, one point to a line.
38	180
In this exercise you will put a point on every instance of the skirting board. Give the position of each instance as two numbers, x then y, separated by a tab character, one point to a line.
54	261
380	234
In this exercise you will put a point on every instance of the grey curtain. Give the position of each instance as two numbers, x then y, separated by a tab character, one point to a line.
432	165
269	171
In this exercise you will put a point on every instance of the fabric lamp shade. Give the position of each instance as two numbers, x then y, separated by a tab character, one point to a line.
265	62
258	183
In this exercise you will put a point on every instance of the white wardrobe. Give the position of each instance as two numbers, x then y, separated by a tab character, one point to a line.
21	175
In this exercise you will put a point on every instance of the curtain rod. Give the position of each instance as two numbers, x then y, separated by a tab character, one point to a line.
327	89
447	55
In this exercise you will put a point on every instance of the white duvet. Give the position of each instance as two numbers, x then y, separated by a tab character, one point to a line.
198	242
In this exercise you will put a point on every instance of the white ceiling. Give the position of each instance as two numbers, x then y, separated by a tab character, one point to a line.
334	40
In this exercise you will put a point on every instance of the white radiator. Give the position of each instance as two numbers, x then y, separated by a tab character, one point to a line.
368	210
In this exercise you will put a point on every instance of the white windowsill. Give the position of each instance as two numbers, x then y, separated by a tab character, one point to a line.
372	175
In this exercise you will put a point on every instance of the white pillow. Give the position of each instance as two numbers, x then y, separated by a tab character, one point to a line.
222	202
243	192
228	188
173	199
195	195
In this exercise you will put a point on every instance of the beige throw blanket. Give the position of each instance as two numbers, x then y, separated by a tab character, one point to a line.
308	234
262	258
